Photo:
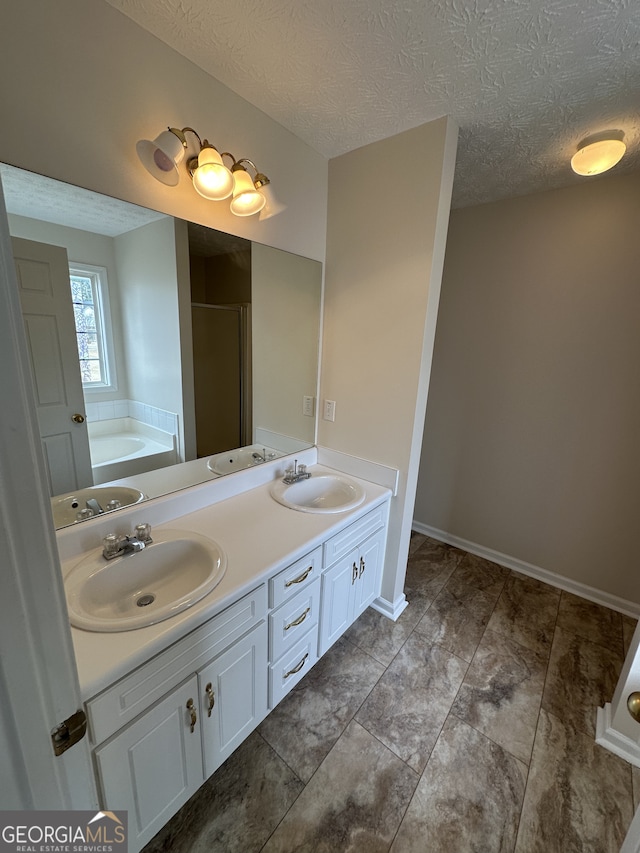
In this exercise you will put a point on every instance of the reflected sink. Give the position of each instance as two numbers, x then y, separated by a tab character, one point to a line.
66	507
165	578
238	460
320	493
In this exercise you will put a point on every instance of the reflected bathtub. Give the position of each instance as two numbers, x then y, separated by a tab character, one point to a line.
128	450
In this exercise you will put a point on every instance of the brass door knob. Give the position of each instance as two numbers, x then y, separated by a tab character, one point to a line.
633	705
77	418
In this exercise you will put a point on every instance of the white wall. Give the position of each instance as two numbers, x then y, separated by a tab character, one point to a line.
385	248
146	261
80	83
286	294
533	422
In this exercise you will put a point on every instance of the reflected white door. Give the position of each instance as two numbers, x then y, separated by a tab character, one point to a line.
38	678
45	296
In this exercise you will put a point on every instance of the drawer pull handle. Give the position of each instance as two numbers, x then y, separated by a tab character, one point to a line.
298	666
362	567
299	620
192	714
302	577
354	574
211	698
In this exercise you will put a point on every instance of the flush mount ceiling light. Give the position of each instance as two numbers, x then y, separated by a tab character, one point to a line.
211	177
598	153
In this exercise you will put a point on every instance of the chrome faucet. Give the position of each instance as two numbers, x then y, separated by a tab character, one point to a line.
94	506
295	474
120	546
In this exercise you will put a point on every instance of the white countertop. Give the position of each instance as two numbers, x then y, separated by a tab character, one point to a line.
259	537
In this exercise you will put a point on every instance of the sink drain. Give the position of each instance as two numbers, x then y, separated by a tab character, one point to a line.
144	600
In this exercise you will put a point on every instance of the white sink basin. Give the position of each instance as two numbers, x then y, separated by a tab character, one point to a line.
320	493
139	589
66	507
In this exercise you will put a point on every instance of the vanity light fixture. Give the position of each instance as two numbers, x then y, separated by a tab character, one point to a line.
598	153
211	177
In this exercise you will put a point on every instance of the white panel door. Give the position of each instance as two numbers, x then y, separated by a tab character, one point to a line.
370	559
338	596
45	296
154	765
233	694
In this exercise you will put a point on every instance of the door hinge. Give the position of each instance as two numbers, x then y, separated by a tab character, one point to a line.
69	732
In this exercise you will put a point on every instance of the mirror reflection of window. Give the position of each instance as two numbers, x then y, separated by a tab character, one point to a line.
90	297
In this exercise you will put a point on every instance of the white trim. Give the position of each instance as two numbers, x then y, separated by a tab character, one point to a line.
628	608
104	323
613	740
364	469
631	843
390	609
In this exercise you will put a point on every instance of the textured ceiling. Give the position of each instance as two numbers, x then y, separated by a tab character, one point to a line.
28	194
526	80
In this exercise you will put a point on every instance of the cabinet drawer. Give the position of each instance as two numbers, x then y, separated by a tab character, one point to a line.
130	696
352	536
293	619
285	673
295	577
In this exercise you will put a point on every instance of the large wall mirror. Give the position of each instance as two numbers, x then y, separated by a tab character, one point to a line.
163	353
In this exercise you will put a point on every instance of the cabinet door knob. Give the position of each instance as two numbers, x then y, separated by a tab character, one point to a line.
211	699
354	574
192	714
362	567
299	620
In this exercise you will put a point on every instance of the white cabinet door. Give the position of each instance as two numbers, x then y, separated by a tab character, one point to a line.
336	612
370	559
233	696
154	765
349	587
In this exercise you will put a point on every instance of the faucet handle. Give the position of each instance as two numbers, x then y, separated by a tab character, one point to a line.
142	533
112	545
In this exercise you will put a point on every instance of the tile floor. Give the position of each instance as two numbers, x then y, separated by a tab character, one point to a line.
467	725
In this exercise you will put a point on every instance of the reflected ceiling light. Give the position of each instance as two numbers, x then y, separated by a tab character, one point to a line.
598	153
211	177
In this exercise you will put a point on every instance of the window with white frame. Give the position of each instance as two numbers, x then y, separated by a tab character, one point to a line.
90	298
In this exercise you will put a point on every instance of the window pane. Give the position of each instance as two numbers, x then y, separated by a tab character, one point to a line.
84	317
90	371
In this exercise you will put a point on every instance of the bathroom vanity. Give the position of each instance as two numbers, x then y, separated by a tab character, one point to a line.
168	703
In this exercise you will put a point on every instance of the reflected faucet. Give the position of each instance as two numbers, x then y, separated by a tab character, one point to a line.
94	506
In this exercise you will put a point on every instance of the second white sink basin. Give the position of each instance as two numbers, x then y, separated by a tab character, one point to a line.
132	591
320	493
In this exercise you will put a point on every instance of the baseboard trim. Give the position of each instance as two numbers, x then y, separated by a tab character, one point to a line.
629	608
390	609
613	740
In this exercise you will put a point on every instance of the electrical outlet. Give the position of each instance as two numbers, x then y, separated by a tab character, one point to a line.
307	406
329	410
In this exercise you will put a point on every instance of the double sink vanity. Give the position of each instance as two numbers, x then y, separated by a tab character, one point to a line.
186	641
